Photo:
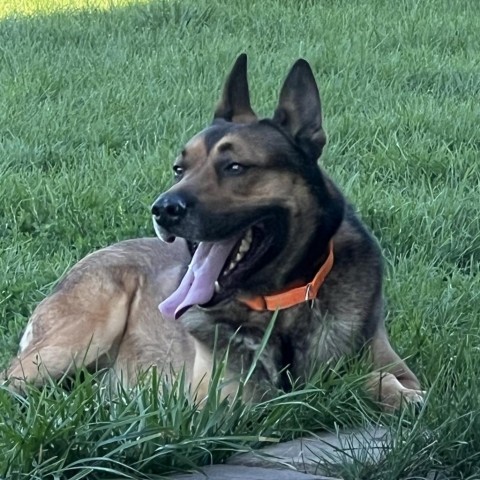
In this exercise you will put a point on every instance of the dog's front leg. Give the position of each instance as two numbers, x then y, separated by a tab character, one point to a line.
245	353
393	383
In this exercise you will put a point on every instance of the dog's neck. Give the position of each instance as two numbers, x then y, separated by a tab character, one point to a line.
296	294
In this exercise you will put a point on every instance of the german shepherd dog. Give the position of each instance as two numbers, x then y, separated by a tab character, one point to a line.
251	226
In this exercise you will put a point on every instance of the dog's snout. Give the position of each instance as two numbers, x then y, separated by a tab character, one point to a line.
170	207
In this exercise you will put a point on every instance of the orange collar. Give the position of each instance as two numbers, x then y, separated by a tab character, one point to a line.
295	296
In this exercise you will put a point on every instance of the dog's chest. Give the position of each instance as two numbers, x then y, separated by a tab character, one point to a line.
304	336
317	335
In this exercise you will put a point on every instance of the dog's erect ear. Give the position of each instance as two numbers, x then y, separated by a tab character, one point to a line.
234	106
299	110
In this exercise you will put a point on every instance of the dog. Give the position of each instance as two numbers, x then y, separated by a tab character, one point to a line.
251	226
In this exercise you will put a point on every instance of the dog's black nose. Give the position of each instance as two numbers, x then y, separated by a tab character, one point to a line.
169	208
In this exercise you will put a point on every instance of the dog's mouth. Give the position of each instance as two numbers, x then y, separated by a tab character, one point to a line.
243	259
216	270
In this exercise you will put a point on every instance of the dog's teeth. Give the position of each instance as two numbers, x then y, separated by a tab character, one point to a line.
242	250
232	265
244	246
217	287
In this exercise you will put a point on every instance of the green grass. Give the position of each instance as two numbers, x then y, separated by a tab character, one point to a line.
33	7
97	100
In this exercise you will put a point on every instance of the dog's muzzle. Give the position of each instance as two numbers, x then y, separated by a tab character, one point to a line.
168	211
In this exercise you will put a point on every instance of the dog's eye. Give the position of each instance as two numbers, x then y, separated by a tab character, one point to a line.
177	171
235	168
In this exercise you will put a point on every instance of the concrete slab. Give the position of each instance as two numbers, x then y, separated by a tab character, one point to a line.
367	445
239	472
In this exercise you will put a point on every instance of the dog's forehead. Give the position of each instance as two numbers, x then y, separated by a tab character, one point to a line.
201	144
244	137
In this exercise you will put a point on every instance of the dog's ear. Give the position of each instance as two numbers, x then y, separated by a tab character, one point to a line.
299	110
234	106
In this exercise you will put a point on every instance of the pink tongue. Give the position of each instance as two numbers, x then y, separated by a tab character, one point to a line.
198	284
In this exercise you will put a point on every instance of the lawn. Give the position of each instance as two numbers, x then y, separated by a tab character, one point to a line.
96	99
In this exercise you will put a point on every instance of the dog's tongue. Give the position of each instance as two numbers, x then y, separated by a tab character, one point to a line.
198	284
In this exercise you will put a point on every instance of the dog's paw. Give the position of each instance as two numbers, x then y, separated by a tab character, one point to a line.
408	397
413	396
391	395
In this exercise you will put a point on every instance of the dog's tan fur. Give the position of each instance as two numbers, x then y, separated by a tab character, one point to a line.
104	313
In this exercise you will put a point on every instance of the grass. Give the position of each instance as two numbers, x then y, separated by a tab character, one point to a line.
33	7
97	98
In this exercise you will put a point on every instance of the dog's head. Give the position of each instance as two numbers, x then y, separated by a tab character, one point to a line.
251	191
